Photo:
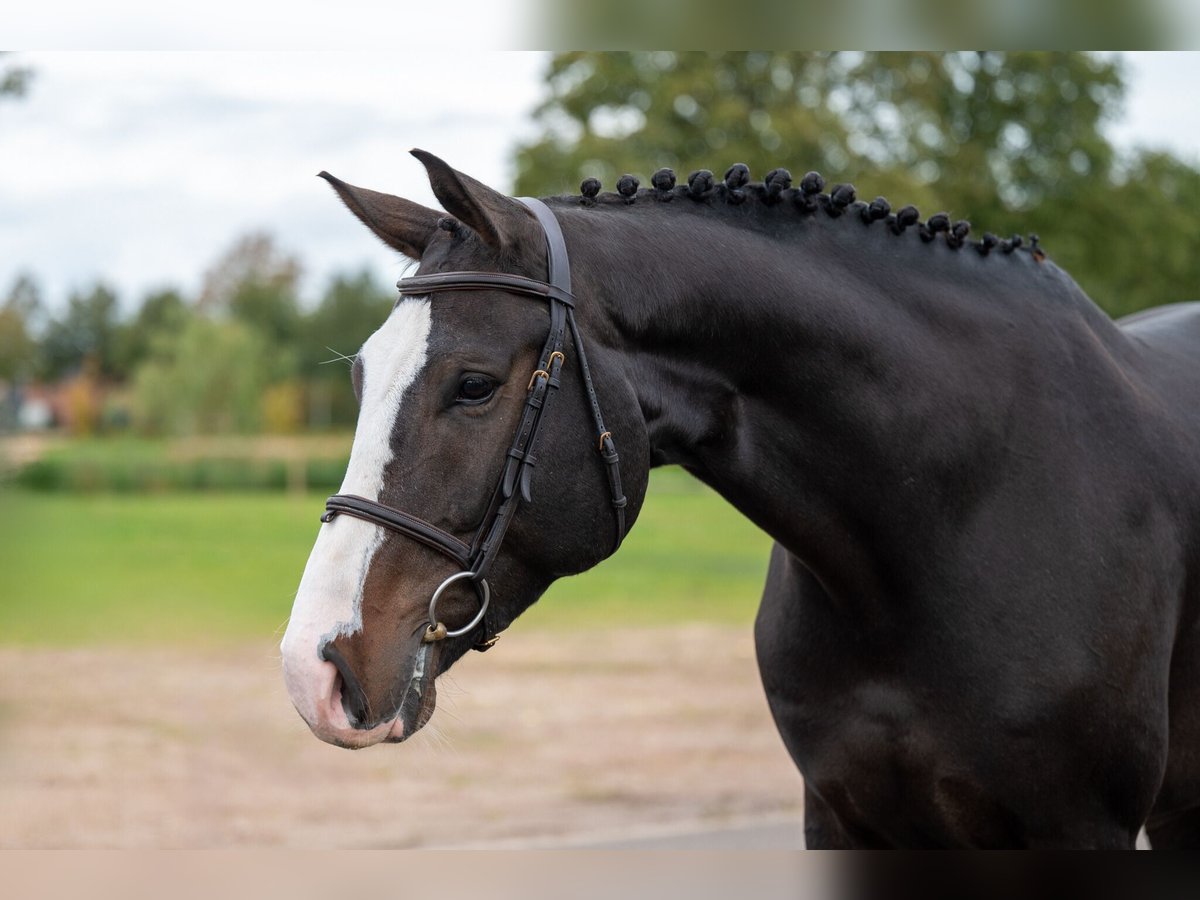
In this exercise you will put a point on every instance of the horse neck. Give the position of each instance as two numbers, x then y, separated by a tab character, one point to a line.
836	383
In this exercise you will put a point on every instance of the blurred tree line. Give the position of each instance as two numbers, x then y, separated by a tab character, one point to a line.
1011	141
245	355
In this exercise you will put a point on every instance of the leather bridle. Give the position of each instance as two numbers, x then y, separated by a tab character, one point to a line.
513	485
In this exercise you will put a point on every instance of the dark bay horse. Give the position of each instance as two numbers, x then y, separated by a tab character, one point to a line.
981	623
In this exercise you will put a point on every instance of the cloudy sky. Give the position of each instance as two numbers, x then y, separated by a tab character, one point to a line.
141	168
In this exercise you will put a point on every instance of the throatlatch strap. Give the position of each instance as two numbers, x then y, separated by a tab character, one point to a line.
560	277
605	444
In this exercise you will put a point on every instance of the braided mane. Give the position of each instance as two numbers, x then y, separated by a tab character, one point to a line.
809	198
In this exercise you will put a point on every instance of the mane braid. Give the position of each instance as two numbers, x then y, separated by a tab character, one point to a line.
736	188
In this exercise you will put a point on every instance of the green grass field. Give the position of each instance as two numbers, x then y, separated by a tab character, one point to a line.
200	567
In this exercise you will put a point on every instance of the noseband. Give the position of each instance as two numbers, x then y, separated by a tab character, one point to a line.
513	485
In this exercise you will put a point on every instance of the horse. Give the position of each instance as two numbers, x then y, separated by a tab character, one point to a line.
981	621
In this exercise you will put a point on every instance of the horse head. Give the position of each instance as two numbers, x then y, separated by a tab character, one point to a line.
481	470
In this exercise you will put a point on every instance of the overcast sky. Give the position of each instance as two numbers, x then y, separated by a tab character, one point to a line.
141	168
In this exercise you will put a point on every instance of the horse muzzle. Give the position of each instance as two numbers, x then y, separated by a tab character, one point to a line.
330	698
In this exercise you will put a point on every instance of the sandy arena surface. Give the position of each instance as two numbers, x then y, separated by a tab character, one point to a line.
548	737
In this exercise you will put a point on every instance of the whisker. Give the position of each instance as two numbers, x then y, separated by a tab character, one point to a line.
451	714
437	742
338	357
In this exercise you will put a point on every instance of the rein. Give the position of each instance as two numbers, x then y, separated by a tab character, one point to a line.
513	485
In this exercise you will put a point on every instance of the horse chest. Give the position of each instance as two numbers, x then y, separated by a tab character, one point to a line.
903	744
888	772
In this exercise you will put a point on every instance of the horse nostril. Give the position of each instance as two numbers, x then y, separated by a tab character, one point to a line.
354	698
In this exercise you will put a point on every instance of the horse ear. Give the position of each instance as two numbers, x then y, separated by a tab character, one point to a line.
399	223
493	216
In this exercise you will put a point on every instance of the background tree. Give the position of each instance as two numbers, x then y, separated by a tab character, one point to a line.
610	113
14	80
352	307
1010	141
87	332
21	309
257	283
208	378
162	314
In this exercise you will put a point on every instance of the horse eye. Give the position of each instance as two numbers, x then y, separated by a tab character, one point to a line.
475	389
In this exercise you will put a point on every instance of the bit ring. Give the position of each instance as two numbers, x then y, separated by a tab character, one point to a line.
437	630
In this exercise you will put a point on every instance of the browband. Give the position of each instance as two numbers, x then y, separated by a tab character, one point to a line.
416	285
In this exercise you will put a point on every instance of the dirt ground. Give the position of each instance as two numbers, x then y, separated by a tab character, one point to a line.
547	737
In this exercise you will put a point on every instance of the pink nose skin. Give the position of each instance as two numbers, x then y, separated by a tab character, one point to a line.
331	723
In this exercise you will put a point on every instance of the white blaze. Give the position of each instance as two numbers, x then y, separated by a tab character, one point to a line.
329	601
